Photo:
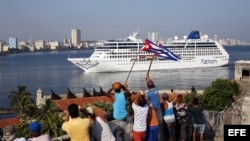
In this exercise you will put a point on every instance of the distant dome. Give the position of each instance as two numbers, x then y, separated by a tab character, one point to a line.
176	37
185	37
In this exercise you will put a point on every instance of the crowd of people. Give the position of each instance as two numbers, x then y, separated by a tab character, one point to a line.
35	133
155	118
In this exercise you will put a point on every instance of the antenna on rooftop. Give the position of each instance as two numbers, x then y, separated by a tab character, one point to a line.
30	41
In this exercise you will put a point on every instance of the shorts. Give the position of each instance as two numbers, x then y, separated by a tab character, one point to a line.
171	129
199	127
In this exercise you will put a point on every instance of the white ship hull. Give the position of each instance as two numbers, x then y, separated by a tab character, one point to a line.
121	57
107	66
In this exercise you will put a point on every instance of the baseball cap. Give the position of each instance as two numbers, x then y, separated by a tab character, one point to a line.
35	126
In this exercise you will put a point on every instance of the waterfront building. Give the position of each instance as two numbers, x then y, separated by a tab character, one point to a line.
22	43
1	47
5	48
40	44
13	43
75	37
66	42
54	45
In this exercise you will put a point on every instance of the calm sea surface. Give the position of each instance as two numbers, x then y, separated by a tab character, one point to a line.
51	71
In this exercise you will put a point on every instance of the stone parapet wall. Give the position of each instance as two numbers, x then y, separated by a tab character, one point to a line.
240	67
218	119
237	114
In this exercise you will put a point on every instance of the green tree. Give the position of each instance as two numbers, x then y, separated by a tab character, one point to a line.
105	106
21	102
190	96
219	95
48	115
23	130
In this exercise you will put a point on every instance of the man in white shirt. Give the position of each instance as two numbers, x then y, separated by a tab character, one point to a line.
100	129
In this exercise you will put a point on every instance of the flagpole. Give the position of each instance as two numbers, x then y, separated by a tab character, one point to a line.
150	64
132	65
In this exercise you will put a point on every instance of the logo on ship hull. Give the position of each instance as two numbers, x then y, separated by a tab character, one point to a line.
88	64
208	61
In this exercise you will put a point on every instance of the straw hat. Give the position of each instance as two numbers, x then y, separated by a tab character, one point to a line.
116	85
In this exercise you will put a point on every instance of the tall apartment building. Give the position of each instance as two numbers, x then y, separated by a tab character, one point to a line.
40	44
153	36
1	47
13	42
75	37
215	37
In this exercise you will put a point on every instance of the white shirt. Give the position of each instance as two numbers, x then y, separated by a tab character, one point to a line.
140	117
101	131
44	137
20	139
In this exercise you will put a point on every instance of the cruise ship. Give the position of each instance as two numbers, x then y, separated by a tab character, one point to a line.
193	51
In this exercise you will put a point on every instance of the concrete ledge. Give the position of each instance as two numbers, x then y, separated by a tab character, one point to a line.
79	95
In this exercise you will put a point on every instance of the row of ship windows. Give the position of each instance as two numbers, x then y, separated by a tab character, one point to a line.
140	45
121	55
134	56
220	56
192	49
185	50
146	62
183	44
175	51
203	54
180	44
196	43
123	44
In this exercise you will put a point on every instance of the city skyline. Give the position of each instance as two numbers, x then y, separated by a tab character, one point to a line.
102	20
75	40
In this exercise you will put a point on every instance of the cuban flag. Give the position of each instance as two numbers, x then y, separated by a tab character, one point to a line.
159	50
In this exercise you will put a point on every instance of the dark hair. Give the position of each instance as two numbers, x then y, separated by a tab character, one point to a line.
73	110
195	101
141	100
179	95
150	84
165	96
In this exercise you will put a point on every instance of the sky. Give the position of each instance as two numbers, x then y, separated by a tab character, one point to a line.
52	20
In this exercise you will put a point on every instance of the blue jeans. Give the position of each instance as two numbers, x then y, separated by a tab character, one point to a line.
199	127
152	133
